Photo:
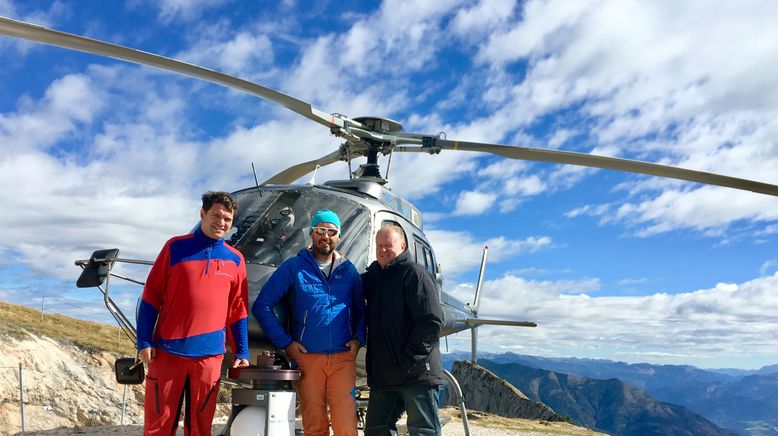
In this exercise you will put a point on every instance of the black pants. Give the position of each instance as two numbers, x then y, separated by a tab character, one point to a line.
387	405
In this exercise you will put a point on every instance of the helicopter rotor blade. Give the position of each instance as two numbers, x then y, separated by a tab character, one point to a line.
32	32
474	322
431	144
289	175
355	132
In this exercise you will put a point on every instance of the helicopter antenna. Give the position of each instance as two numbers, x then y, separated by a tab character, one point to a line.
313	177
389	164
477	299
254	170
348	159
474	307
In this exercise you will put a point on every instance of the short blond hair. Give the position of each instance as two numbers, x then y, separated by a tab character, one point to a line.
396	228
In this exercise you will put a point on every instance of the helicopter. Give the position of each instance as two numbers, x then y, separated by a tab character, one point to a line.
270	225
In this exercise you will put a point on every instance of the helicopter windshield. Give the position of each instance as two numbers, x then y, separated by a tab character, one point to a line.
273	225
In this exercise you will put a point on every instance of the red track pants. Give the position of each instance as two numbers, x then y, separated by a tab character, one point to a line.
328	379
173	380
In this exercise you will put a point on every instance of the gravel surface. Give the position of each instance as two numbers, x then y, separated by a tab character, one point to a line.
132	430
481	424
453	428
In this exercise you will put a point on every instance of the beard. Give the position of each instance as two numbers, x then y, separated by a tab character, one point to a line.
324	250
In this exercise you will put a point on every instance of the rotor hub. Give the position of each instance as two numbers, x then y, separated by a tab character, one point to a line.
380	125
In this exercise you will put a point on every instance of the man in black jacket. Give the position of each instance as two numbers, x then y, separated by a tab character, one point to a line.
404	316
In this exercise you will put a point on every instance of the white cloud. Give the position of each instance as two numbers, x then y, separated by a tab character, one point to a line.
540	20
243	53
474	202
7	8
140	174
652	70
43	17
483	17
437	170
510	181
768	267
183	10
701	209
631	281
503	168
68	102
459	252
722	320
559	137
530	185
588	209
405	32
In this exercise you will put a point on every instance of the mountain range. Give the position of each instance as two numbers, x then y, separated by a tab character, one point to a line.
739	400
609	405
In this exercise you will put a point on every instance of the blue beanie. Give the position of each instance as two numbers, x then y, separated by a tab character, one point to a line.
325	216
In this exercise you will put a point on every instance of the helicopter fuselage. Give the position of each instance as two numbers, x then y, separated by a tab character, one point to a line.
273	224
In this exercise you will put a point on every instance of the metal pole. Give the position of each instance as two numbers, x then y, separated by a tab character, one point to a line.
124	404
21	393
481	274
43	302
458	390
474	344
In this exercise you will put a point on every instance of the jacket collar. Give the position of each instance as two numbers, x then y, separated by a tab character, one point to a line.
205	240
403	257
307	252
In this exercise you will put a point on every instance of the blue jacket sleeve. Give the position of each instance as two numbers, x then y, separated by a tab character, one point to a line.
237	315
240	336
359	319
276	287
152	298
147	319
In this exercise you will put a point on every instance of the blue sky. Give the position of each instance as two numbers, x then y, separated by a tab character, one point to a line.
98	153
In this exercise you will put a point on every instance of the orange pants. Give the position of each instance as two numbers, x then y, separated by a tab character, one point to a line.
171	380
328	379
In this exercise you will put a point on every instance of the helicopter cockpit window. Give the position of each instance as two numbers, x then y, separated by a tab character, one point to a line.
430	262
424	256
420	254
274	225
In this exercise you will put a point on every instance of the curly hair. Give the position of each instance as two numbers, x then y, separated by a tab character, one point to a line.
219	197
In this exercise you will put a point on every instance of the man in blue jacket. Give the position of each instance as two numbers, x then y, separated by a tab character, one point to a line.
327	326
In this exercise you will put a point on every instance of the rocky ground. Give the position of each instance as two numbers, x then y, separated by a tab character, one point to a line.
63	386
480	425
72	391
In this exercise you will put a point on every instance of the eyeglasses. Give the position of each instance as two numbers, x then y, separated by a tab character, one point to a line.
325	230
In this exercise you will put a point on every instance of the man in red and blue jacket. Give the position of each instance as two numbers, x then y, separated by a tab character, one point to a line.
194	301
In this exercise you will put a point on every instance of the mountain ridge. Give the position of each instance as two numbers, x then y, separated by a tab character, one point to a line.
608	405
706	392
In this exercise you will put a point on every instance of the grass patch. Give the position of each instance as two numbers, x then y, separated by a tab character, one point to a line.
14	320
488	420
